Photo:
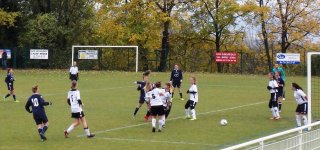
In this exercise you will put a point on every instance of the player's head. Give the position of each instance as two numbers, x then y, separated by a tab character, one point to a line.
145	75
276	66
9	70
295	86
74	63
193	80
35	89
157	84
74	84
277	74
169	87
148	87
176	67
271	75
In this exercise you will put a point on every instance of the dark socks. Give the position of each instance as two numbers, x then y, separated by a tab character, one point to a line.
14	97
40	130
148	113
280	105
45	128
180	95
7	95
135	111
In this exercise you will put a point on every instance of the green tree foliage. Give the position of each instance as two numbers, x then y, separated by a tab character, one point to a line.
8	18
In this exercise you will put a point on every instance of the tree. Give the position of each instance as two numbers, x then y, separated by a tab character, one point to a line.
8	18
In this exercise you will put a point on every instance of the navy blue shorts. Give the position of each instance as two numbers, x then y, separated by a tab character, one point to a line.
40	119
176	84
302	108
10	86
73	77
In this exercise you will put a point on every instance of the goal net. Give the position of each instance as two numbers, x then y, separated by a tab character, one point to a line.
104	57
313	76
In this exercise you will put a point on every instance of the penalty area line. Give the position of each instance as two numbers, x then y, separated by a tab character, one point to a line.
175	118
154	141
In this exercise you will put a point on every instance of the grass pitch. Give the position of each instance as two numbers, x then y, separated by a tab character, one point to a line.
110	99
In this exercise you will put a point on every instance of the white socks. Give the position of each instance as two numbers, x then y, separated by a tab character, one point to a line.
86	130
298	118
160	124
164	119
70	128
187	112
153	121
273	112
305	119
276	111
193	113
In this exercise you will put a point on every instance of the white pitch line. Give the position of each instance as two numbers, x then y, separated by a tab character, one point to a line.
175	118
154	141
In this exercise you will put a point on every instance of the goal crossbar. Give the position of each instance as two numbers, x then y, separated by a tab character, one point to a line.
106	46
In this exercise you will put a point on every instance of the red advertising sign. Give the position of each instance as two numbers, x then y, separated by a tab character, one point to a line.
226	57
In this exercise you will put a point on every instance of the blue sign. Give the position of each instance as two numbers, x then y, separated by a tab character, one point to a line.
288	58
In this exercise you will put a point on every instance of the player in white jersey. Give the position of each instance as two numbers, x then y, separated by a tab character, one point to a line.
167	101
302	101
193	100
154	101
273	104
74	72
75	102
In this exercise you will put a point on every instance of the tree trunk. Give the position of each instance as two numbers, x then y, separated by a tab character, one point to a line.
218	34
164	47
265	36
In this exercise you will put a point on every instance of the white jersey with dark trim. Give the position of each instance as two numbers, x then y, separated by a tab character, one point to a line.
166	98
193	92
299	95
74	70
273	84
74	96
154	97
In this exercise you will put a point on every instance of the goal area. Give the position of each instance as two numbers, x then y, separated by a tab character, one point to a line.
301	138
106	57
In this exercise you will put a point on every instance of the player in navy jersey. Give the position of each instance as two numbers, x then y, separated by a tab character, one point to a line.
9	81
74	100
280	89
141	85
176	79
39	114
273	89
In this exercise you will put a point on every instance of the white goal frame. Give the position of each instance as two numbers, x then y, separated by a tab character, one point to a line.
106	46
309	76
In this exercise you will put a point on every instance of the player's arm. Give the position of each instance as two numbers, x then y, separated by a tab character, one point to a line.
171	77
79	99
27	106
302	94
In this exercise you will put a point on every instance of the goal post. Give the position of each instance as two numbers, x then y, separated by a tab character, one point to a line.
312	75
107	46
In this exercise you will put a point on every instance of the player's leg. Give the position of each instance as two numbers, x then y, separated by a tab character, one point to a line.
180	90
304	113
276	109
187	109
9	92
86	128
75	123
193	111
146	117
14	95
174	88
39	123
168	110
45	124
153	118
137	108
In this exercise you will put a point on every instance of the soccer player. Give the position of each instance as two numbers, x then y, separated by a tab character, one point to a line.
302	101
277	68
39	115
9	81
273	89
167	102
141	85
75	102
154	101
176	80
74	72
193	99
280	89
